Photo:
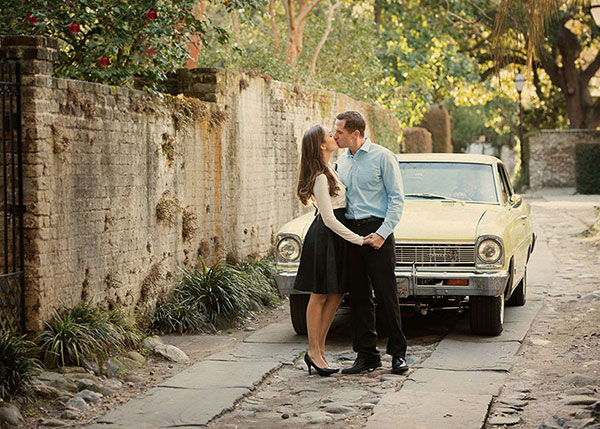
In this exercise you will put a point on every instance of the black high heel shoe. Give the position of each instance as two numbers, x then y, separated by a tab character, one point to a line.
321	371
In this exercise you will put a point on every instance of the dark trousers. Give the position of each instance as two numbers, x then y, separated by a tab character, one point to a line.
373	270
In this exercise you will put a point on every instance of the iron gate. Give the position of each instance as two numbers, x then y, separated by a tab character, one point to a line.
11	201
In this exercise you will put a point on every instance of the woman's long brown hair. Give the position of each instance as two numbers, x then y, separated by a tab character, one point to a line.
312	164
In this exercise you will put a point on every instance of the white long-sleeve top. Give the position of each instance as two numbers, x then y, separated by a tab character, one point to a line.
326	204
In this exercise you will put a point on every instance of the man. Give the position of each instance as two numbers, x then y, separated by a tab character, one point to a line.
374	202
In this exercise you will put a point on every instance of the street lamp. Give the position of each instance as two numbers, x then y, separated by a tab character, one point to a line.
595	11
519	84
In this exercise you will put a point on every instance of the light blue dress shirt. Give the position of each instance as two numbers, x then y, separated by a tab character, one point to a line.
373	185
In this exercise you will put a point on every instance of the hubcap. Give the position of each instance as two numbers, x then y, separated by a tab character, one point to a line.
502	309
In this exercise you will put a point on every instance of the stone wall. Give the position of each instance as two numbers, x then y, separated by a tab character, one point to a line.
552	156
121	187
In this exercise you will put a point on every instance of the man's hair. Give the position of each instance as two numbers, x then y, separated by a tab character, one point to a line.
354	121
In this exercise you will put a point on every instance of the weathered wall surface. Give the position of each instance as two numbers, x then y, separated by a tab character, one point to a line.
552	156
121	187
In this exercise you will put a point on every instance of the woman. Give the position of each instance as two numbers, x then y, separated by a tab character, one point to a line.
321	269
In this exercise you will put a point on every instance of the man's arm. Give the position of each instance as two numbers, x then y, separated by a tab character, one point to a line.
392	181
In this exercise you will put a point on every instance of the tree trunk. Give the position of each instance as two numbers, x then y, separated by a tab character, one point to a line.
295	23
274	25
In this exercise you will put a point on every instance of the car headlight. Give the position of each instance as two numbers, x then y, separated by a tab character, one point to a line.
288	249
489	251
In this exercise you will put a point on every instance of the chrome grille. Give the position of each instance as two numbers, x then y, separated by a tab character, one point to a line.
436	254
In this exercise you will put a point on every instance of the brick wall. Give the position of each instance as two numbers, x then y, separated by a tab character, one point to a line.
552	156
121	187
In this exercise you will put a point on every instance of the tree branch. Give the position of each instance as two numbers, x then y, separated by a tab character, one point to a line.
274	24
590	70
313	65
304	13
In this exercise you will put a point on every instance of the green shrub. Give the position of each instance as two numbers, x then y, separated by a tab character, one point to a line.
18	363
587	172
84	331
207	298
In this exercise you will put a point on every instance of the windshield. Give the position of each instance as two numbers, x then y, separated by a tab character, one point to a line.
449	180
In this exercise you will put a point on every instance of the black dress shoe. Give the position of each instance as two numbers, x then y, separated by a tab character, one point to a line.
399	365
363	364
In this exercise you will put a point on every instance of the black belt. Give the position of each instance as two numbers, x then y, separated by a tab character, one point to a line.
358	222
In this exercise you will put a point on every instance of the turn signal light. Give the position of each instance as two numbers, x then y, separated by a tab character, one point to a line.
458	282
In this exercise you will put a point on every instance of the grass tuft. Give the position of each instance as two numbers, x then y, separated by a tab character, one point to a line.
18	364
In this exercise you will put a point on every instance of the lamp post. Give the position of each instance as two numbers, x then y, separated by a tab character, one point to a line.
519	84
595	11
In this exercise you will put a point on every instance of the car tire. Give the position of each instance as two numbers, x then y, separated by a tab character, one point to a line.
487	314
298	304
519	295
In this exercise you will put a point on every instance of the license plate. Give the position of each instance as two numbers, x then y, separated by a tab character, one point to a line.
402	284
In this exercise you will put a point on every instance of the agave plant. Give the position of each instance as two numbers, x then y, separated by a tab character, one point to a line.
211	296
18	363
85	331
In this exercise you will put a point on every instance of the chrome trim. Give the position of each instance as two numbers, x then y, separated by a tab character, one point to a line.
435	254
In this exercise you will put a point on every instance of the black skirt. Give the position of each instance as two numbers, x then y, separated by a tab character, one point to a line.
322	263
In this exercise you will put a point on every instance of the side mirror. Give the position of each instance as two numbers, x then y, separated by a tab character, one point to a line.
515	200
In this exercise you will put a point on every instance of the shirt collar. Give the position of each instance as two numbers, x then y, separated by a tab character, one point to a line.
366	146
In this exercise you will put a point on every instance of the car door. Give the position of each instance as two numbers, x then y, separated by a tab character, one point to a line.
517	229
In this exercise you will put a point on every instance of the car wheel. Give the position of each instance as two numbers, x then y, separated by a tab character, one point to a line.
298	304
487	314
519	295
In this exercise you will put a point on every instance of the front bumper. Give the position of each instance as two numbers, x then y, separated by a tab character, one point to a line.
414	282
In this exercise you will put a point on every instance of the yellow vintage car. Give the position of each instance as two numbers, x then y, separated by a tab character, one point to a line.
463	242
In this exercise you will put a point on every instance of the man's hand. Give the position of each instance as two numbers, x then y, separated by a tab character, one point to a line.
375	240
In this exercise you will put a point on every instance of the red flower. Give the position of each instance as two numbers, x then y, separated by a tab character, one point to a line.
226	3
103	61
151	15
74	28
31	18
149	50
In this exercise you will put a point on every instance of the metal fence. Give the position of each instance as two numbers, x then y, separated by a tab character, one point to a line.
11	201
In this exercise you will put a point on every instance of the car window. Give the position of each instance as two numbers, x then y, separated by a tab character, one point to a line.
458	180
505	188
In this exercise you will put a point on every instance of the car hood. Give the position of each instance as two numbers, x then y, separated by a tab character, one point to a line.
435	220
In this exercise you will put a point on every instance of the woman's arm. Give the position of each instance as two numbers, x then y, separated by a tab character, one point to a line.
321	193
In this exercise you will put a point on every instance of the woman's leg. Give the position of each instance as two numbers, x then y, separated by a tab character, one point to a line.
328	313
314	322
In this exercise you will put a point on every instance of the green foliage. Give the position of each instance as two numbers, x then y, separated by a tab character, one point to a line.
340	67
85	332
113	41
18	363
587	173
207	298
497	120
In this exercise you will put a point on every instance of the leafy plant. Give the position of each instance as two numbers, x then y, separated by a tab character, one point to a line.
114	41
222	294
18	363
84	331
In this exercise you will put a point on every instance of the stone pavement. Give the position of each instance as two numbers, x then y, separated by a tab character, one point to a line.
453	388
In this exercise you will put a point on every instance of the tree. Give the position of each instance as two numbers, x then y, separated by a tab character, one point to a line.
560	46
114	41
296	12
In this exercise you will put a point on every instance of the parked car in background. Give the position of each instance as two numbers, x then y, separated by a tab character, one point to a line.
463	242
